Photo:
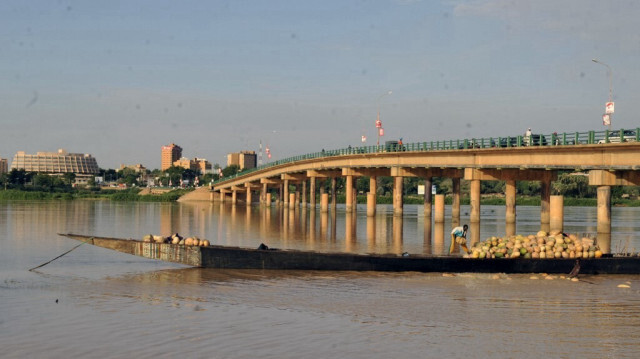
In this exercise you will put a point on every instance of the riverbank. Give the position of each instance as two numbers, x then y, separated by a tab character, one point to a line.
133	194
137	194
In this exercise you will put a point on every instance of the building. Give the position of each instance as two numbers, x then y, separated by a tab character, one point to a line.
170	154
185	163
56	163
200	165
204	166
243	159
4	165
138	168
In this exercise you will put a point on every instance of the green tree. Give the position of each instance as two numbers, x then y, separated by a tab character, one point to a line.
230	170
573	185
18	178
128	176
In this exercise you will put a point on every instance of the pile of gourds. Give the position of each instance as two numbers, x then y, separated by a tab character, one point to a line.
176	239
542	245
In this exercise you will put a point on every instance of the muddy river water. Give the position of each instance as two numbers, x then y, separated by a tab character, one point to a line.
94	303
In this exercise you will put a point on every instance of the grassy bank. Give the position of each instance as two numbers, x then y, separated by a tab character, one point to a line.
113	195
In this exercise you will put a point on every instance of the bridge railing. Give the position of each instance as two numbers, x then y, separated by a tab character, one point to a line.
553	139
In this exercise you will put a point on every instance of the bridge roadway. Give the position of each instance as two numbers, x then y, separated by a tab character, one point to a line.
611	164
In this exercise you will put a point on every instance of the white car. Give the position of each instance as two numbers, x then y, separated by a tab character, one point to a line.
614	137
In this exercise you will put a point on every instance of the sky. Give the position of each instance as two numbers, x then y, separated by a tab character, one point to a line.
120	79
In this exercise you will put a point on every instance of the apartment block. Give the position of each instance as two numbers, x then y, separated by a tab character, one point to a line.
56	162
170	154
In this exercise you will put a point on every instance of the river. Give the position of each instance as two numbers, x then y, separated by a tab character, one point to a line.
95	303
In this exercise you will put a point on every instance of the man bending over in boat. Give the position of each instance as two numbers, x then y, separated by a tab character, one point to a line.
459	235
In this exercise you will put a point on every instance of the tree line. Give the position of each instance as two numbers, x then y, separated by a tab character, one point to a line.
570	185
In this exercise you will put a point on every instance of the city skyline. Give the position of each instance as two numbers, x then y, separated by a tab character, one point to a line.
121	79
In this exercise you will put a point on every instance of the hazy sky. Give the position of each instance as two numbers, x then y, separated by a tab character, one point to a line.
119	79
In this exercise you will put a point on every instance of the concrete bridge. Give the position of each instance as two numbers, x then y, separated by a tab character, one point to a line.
607	162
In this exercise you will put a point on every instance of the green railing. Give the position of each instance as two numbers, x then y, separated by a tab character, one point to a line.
554	139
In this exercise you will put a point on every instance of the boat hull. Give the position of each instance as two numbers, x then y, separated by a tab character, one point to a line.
244	258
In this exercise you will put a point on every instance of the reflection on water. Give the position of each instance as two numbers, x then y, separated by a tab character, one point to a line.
115	305
226	224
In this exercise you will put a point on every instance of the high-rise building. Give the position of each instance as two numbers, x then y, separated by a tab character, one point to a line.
170	154
56	162
243	159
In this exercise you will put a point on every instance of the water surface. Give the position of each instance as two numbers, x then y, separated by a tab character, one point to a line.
112	305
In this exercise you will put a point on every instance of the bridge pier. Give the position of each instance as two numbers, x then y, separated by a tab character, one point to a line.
304	194
334	202
545	198
556	211
312	193
455	201
397	195
292	201
234	197
474	201
263	194
348	202
371	196
285	195
604	209
428	199
324	202
510	201
439	209
267	201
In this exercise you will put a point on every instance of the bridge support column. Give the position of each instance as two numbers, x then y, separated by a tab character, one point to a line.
428	200
222	196
455	201
304	194
510	201
267	200
234	197
439	209
312	193
348	202
371	204
545	198
371	196
604	209
280	199
263	194
333	194
248	196
475	201
285	195
324	202
556	213
397	195
292	201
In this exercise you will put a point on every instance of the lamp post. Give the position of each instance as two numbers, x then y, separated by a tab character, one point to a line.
610	75
378	122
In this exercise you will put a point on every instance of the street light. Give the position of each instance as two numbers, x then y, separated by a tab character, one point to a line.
378	122
610	75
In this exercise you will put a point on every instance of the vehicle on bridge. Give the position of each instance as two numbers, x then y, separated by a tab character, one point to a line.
615	137
393	146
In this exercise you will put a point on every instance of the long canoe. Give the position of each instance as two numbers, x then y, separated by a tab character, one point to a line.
245	258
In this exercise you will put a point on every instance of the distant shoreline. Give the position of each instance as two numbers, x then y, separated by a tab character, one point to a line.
133	195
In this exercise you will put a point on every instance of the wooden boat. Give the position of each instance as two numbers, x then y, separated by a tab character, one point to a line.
245	258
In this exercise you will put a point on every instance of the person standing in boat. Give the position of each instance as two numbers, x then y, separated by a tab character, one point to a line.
459	235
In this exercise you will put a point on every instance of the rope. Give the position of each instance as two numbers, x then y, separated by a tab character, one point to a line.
44	264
